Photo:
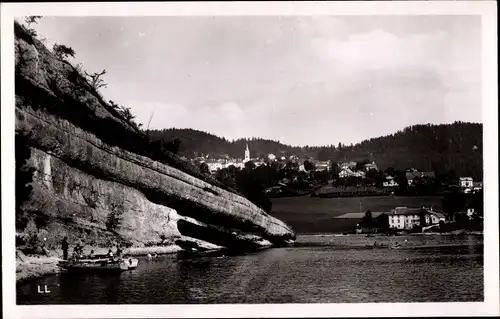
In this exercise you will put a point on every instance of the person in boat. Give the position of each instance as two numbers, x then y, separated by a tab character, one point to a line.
119	251
110	254
92	254
81	249
65	247
75	254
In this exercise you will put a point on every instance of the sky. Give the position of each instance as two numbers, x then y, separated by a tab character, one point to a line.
302	80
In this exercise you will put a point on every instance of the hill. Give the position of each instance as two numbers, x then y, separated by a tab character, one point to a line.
453	147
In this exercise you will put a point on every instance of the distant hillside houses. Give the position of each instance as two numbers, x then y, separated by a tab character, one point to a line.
390	182
410	176
467	185
348	169
347	165
322	165
217	164
348	172
370	166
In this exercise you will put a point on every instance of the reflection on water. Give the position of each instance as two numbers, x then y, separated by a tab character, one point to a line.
318	269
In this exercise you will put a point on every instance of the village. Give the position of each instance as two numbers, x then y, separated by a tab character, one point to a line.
293	176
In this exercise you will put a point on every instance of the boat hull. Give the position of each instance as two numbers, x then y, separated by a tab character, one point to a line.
99	265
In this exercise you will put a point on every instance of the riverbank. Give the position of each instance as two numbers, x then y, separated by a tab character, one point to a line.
35	266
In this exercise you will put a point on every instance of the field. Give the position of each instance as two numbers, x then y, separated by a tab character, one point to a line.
330	215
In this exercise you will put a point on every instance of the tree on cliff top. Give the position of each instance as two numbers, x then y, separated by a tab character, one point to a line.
30	20
96	80
204	168
62	52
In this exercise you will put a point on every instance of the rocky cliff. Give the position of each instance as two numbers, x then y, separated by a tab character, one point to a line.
92	167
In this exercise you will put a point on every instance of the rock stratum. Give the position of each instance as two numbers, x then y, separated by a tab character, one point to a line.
89	162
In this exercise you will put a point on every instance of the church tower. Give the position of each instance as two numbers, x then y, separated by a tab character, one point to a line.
247	154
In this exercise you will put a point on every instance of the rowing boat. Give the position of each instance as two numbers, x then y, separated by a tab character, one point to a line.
99	264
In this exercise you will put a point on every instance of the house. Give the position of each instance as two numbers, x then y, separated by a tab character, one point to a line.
322	165
465	182
477	186
470	212
433	217
347	165
404	217
273	191
347	172
259	163
214	166
370	166
390	182
410	176
408	218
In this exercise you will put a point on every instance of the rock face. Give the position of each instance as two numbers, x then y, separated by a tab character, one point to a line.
92	166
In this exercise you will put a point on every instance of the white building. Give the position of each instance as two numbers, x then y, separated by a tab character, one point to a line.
371	166
466	182
408	218
347	172
390	182
214	166
470	212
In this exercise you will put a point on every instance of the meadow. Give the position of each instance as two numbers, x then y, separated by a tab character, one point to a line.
308	215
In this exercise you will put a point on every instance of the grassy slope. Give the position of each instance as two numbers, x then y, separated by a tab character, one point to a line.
317	215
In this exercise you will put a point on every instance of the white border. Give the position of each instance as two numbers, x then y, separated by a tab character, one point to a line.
487	9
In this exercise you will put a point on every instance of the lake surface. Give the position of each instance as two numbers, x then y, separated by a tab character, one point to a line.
320	268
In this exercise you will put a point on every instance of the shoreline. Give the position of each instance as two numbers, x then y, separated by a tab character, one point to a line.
36	266
339	234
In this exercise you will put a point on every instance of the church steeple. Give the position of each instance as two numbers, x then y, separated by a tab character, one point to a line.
247	153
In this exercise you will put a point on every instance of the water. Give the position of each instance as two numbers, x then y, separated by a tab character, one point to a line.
328	269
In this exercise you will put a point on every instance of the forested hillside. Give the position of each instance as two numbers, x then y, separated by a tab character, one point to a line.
446	147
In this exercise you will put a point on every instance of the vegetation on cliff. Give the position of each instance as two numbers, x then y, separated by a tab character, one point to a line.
68	86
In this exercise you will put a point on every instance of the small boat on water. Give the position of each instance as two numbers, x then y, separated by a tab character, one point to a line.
376	246
99	264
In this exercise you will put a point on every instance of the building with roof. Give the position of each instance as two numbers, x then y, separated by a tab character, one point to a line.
410	176
390	182
409	218
465	182
370	166
347	172
477	186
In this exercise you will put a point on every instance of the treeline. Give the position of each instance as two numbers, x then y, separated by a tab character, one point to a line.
196	143
453	147
252	181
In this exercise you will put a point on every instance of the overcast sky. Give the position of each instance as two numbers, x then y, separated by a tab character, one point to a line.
299	80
